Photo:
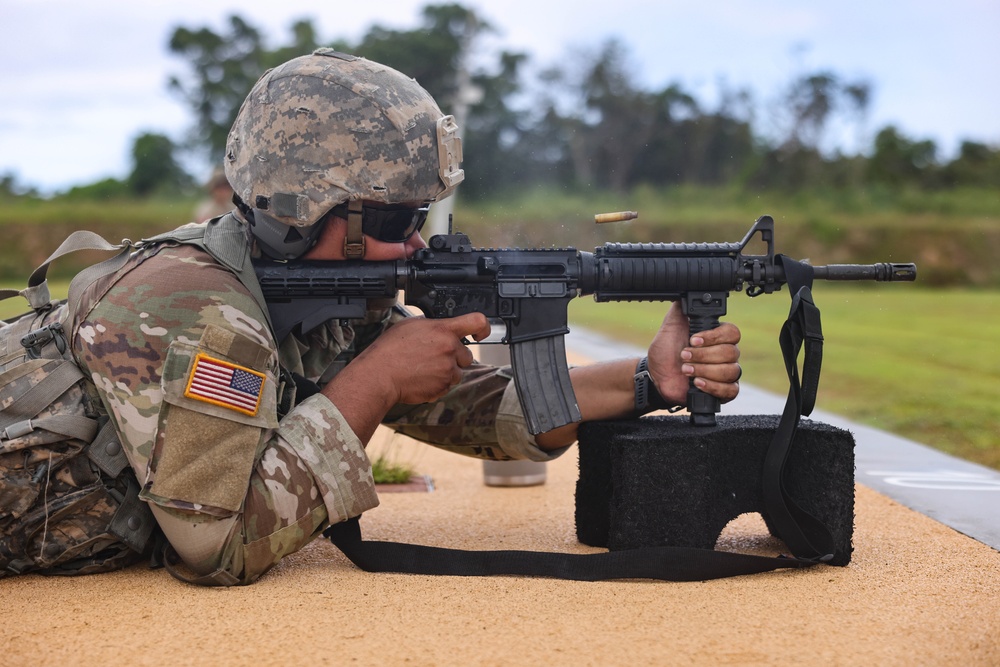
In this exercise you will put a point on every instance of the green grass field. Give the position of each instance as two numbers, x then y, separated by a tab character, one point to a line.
923	364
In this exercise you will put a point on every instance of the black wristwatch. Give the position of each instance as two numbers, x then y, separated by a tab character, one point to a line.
647	396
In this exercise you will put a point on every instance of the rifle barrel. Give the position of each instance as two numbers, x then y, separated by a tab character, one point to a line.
881	272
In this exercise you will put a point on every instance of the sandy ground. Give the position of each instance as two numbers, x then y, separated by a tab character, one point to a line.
916	593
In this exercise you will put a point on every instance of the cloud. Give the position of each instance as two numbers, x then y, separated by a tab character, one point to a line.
86	78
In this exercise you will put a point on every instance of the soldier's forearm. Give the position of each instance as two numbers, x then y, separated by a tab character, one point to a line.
603	391
362	398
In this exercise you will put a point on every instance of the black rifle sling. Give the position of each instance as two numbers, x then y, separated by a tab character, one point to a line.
664	563
807	538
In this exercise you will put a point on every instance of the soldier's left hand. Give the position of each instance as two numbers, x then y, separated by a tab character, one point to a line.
710	357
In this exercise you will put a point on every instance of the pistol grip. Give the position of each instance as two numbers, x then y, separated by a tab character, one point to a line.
543	385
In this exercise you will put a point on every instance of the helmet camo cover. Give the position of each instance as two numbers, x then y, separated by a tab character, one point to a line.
328	127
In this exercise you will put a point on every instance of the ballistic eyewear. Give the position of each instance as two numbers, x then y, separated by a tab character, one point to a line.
392	224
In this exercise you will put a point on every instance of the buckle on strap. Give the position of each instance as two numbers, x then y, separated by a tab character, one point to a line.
35	340
354	242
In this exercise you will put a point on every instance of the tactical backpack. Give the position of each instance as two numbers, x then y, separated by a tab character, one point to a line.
69	501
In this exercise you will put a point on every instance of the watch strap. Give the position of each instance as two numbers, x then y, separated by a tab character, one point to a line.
647	396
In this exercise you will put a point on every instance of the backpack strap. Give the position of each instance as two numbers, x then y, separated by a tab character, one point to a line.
37	291
16	417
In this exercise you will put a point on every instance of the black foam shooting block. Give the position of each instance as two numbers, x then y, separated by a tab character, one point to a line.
660	481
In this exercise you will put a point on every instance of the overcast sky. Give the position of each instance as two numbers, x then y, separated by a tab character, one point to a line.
81	80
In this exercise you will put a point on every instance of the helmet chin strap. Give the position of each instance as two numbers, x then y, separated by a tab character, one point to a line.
354	242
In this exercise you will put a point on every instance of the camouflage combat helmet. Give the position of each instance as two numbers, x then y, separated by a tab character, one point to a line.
329	128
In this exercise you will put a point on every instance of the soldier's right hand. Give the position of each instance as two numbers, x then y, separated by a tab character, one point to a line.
424	358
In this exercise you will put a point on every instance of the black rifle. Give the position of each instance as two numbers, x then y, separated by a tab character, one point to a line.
529	291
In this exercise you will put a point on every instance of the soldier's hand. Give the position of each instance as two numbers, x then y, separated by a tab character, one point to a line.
424	358
710	357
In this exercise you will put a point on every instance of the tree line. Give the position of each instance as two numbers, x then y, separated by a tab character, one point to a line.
584	123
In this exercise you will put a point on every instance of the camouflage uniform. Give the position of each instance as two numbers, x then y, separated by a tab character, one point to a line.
235	491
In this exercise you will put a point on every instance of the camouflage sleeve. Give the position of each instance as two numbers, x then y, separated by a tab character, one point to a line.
233	490
481	417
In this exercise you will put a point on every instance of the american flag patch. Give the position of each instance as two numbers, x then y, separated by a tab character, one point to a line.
228	385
